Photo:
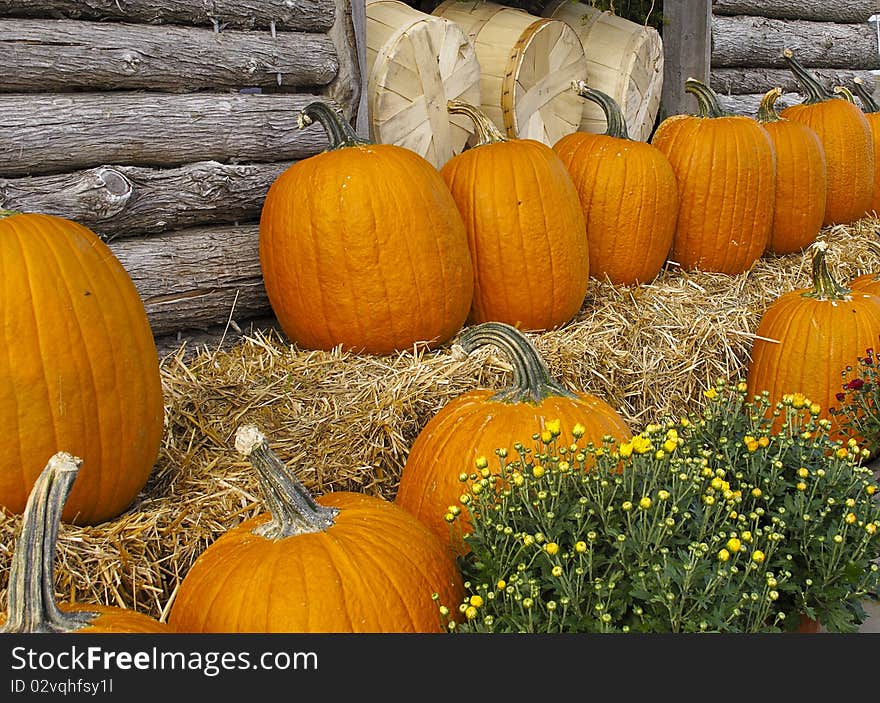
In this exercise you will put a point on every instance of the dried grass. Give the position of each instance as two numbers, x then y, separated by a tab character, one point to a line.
348	420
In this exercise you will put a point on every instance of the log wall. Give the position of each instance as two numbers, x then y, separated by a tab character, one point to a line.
833	38
161	124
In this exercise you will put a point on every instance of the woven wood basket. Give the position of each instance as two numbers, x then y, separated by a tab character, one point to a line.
415	63
624	60
527	66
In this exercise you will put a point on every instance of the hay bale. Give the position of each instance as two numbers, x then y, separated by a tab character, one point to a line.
349	420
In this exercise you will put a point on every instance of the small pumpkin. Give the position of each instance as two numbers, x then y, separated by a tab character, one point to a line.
32	607
868	282
478	422
363	247
628	193
807	337
801	179
79	367
525	228
725	166
872	114
346	563
846	138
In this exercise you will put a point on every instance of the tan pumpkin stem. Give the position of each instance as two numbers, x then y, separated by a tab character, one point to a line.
339	132
613	114
767	109
532	382
825	286
845	92
32	606
816	92
293	510
868	102
707	99
486	131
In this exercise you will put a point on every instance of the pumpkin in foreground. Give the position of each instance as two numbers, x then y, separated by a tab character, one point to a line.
628	193
346	563
807	337
32	607
525	228
363	246
79	367
725	166
477	423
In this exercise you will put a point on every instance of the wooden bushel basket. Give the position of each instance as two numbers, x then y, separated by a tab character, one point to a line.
415	63
624	60
527	66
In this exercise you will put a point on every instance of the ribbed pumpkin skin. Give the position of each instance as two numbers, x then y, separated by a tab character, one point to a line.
111	620
726	173
526	233
80	370
866	283
629	196
474	425
374	570
874	123
849	155
364	247
818	339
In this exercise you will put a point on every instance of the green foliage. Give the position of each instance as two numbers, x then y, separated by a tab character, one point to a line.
859	410
708	523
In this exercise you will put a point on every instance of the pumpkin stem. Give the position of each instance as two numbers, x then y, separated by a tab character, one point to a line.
767	109
532	382
816	92
293	510
32	607
706	98
613	114
845	92
8	213
339	132
486	131
868	102
825	286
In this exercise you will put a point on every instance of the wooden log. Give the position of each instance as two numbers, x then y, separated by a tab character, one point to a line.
44	134
739	81
757	41
125	201
347	88
62	55
301	15
196	277
851	11
687	43
748	104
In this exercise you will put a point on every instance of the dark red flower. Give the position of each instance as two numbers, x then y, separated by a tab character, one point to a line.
840	397
855	385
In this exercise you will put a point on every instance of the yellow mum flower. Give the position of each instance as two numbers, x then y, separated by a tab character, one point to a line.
551	548
764	441
758	556
716	483
578	430
554	427
641	445
556	571
538	471
501	585
757	493
580	547
711	394
850	518
801	486
870	528
803	472
723	555
871	490
751	446
481	462
672	434
798	400
670	445
815	409
518	479
546	437
470	613
734	545
842	453
476	601
625	450
645	503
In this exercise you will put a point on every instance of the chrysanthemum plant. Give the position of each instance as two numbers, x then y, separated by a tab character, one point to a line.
706	523
859	398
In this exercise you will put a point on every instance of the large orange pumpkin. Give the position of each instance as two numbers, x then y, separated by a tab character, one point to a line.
807	337
363	246
846	138
726	171
872	114
32	607
628	193
79	367
348	562
801	179
479	422
526	230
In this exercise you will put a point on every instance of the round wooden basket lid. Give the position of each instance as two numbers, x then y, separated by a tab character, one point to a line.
416	62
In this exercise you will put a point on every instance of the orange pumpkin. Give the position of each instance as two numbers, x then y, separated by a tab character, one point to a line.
807	337
479	422
525	227
872	114
363	246
79	367
32	607
801	179
868	282
725	166
347	562
846	138
628	193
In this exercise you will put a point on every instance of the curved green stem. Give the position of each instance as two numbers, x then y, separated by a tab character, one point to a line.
532	382
293	510
845	92
767	109
613	114
339	132
8	213
32	606
706	98
825	286
868	101
816	92
486	131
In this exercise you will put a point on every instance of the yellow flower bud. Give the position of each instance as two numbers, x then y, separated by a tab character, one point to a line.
580	547
803	472
481	462
554	427
551	548
758	556
476	600
546	437
501	585
850	518
578	430
734	545
711	393
556	571
757	493
538	471
801	486
645	503
723	555
470	612
625	450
